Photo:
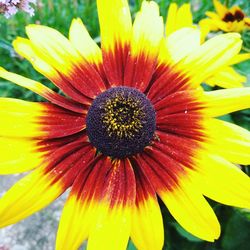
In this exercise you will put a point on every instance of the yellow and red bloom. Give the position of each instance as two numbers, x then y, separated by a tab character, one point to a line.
134	125
227	20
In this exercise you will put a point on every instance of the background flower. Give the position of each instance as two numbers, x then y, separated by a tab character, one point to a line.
10	7
233	19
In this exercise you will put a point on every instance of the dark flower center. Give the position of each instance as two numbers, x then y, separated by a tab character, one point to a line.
121	122
237	16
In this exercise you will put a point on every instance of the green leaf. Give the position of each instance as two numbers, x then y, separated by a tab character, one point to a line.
237	233
186	234
245	212
242	118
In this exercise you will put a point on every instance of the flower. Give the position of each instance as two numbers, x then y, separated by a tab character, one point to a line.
177	18
10	7
227	20
134	125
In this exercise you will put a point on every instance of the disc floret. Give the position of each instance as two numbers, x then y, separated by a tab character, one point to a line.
121	122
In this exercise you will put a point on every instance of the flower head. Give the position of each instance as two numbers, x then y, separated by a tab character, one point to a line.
11	7
227	20
134	125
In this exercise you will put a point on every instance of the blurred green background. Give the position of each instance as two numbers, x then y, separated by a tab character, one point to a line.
58	14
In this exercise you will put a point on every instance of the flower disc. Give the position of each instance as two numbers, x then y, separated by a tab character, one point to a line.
121	122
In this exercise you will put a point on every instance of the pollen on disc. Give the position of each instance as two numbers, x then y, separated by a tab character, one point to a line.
121	122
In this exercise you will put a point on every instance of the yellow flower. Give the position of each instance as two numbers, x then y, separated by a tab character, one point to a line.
179	18
227	20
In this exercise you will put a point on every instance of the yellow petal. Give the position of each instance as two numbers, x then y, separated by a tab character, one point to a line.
41	90
247	22
115	22
240	58
83	43
182	43
206	25
227	27
145	44
187	205
53	47
227	140
184	16
79	211
41	120
27	196
24	48
171	18
20	118
19	155
25	82
147	226
56	50
46	183
220	8
221	102
178	18
212	15
112	228
222	181
116	27
174	185
77	217
211	56
147	29
100	202
227	77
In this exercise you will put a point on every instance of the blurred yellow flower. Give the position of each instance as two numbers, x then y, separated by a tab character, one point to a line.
181	17
227	20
